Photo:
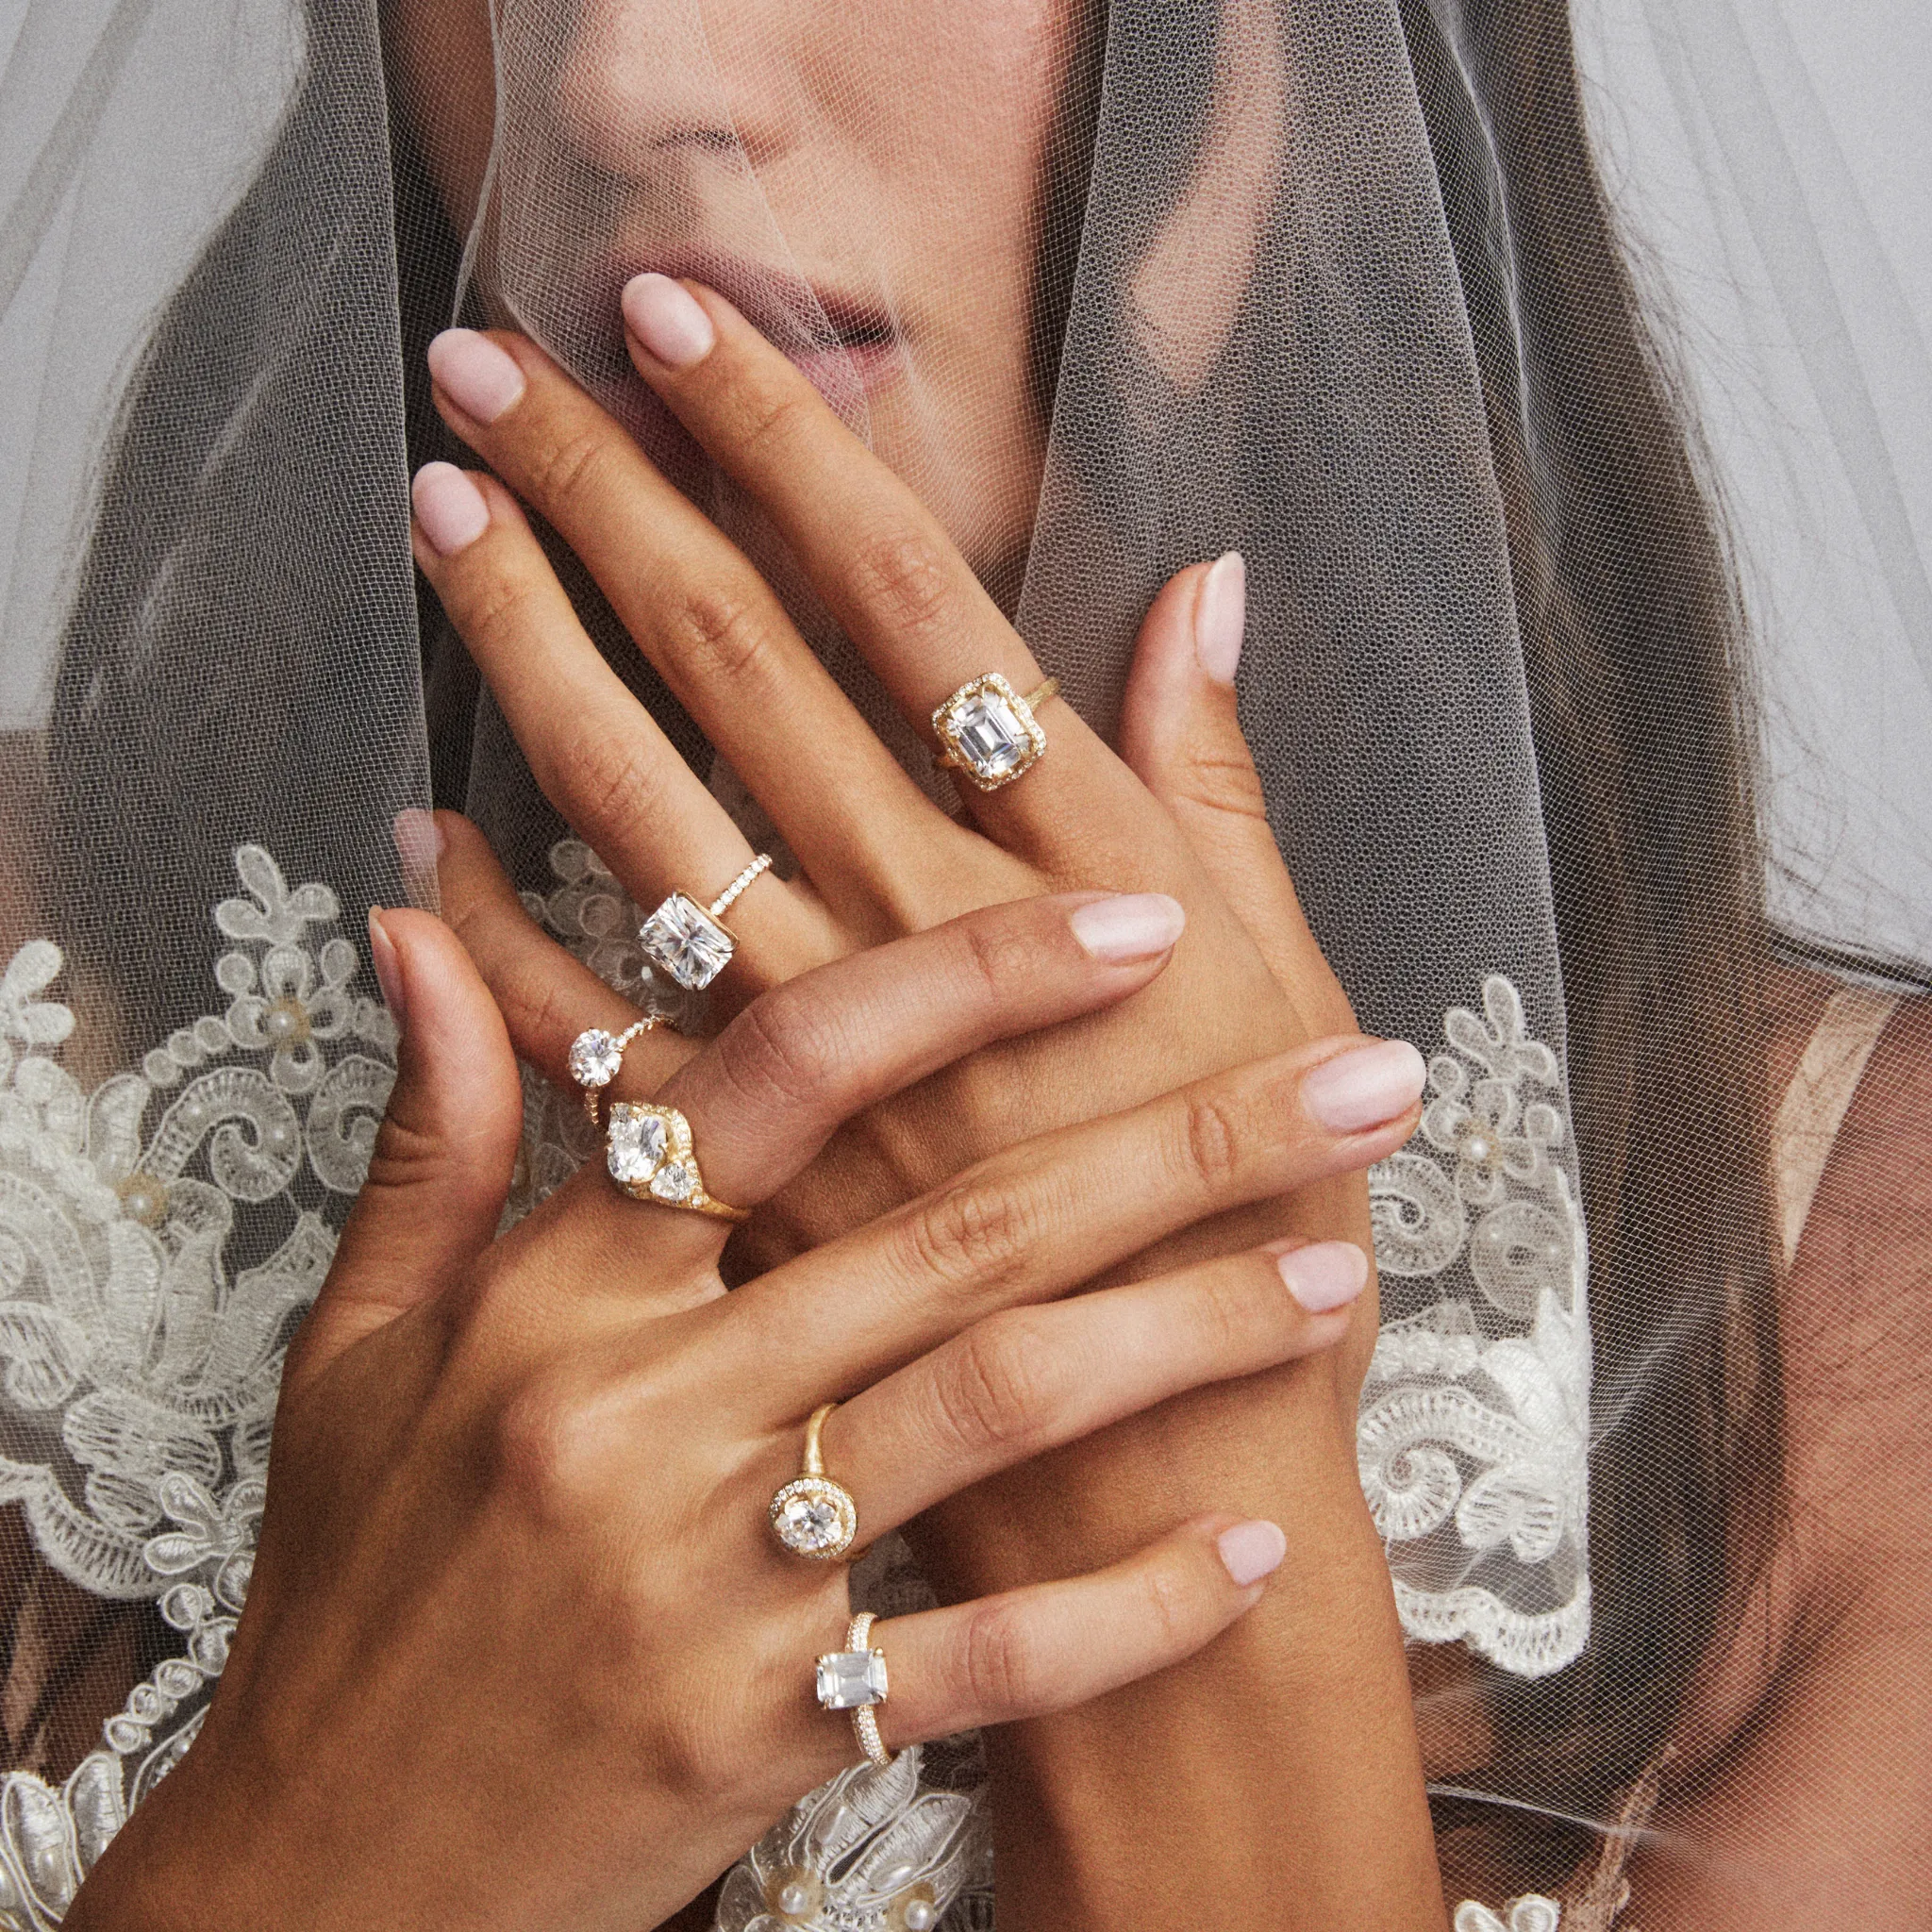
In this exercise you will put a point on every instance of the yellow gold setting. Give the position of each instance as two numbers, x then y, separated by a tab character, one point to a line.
986	730
648	1152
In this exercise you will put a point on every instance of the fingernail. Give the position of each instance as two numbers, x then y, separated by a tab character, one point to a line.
1325	1275
1221	614
449	508
1133	925
419	841
1252	1550
666	319
389	966
1365	1087
478	377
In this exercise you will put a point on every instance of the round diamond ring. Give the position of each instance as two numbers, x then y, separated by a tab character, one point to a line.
813	1516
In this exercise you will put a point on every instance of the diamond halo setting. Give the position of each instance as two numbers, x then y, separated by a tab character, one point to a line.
814	1516
988	730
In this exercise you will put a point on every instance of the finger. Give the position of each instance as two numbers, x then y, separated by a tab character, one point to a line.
546	995
695	607
1028	1380
1043	1216
886	570
440	1169
1181	734
1053	1645
595	752
764	1096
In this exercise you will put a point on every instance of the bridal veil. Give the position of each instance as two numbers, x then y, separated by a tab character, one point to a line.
1561	375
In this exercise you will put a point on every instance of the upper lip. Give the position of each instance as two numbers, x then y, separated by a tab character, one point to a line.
784	307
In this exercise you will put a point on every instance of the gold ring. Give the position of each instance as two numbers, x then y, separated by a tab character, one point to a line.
684	939
854	1679
988	730
813	1516
647	1149
595	1056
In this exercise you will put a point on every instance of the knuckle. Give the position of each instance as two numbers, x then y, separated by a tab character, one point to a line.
723	628
1218	779
997	957
974	1234
1213	1137
542	1448
993	1387
764	413
568	472
498	607
903	575
615	782
785	1047
1169	1607
999	1664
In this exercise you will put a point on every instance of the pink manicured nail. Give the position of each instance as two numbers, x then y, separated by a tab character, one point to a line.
667	320
1134	925
449	508
1325	1276
388	965
420	842
1252	1550
1366	1086
1221	614
478	377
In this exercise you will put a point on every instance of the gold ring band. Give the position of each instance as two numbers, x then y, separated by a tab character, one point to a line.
813	1515
648	1152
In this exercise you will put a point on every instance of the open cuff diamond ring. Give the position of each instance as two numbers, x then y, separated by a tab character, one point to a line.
648	1151
684	939
813	1516
854	1679
988	730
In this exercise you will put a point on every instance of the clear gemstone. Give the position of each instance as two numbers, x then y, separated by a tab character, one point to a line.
638	1144
808	1523
595	1058
674	1181
683	939
987	729
848	1679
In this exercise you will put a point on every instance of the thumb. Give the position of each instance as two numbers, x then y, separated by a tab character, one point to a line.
443	1157
1181	733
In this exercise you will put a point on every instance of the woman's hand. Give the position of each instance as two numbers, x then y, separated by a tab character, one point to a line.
520	1649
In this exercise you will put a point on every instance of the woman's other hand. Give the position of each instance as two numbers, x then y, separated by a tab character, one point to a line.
519	1648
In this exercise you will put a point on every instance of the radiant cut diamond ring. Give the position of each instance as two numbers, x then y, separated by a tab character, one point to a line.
988	730
684	939
813	1516
854	1679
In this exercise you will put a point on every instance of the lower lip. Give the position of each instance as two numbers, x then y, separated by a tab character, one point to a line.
851	370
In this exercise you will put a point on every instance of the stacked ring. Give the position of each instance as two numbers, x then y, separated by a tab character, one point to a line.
854	1679
648	1151
595	1056
988	730
684	939
813	1516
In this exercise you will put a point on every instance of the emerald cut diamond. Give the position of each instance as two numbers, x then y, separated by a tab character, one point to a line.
989	731
849	1679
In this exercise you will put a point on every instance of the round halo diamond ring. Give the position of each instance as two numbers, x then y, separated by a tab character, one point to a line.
813	1516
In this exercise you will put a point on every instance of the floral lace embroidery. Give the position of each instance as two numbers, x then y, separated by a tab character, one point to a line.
141	1358
1473	1432
140	1365
1531	1913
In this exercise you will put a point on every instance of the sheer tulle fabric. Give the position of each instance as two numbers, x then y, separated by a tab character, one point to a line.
1554	758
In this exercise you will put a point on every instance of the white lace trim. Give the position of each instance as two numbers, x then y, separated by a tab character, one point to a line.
1473	1436
140	1356
1530	1913
139	1360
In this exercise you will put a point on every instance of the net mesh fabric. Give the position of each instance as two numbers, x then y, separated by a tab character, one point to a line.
1574	456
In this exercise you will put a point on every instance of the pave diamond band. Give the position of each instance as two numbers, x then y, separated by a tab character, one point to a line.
854	1679
988	730
648	1151
595	1056
684	940
813	1516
